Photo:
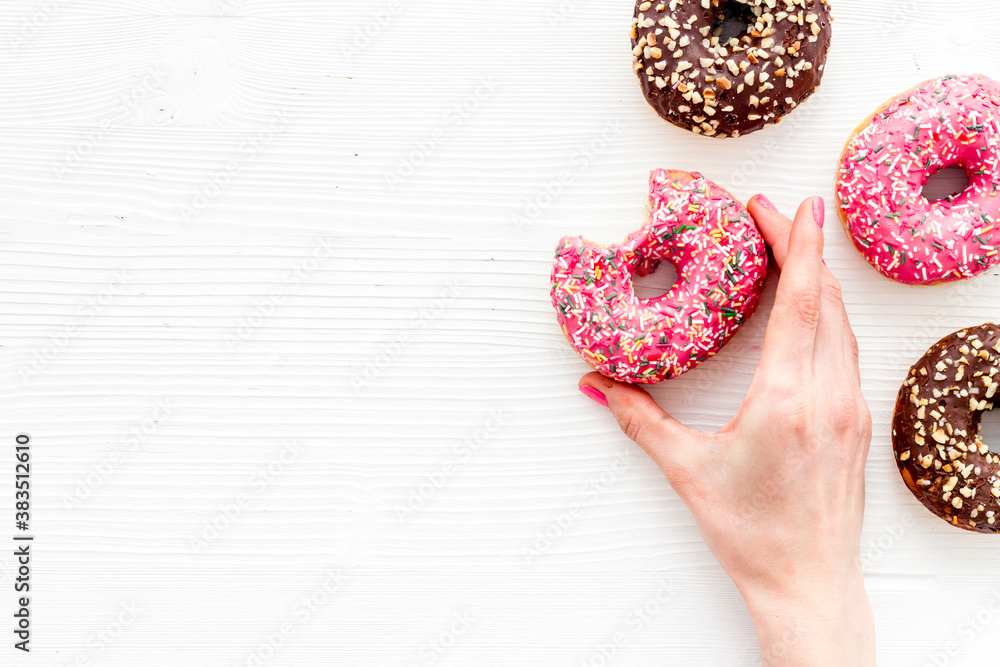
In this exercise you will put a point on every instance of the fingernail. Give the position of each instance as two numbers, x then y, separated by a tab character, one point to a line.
594	395
765	202
819	210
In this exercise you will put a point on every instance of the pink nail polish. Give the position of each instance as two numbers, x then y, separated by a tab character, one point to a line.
819	211
765	202
594	395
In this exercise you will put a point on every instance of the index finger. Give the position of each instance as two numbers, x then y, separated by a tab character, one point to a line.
774	227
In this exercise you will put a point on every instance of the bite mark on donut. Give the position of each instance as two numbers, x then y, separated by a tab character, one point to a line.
721	262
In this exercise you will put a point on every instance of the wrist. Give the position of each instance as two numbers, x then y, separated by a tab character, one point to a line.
814	623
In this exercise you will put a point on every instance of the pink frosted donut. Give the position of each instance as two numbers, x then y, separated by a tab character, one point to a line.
954	120
721	261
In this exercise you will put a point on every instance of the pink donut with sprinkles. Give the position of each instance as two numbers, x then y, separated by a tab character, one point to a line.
721	262
951	121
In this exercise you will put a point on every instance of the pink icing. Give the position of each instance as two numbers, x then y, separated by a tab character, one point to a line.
944	122
721	263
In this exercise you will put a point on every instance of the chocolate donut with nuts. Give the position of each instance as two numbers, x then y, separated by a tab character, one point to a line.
700	79
935	429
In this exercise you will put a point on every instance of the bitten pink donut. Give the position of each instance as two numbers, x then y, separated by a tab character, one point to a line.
721	261
954	120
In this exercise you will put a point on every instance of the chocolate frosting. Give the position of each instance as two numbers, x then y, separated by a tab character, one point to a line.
726	89
935	429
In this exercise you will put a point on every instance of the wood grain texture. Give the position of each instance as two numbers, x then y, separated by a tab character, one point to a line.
274	309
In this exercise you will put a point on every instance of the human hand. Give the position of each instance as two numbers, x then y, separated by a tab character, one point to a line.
778	493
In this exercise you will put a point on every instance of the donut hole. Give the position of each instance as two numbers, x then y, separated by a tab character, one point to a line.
947	183
657	283
989	429
734	20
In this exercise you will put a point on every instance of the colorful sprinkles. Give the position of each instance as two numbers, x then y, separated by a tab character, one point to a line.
721	262
951	121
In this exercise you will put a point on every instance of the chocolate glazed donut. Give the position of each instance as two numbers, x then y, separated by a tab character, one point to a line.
696	80
935	429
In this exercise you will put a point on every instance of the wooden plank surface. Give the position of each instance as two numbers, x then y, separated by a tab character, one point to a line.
274	310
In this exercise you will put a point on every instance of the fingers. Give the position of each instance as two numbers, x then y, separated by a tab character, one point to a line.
774	227
795	318
668	442
835	338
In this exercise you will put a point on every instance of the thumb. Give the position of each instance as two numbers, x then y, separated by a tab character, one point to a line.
669	443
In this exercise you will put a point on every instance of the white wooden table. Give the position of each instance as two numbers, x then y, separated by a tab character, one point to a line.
275	314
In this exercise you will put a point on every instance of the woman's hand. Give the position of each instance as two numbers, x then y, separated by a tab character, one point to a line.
778	493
